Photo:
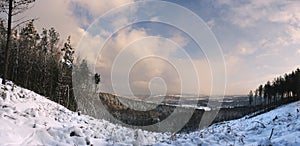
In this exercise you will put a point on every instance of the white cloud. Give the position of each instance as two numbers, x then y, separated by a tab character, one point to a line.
294	33
154	19
59	14
298	51
55	13
137	43
98	8
211	23
248	14
245	49
288	14
179	39
271	47
267	31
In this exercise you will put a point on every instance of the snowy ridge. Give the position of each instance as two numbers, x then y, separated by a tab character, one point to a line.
27	118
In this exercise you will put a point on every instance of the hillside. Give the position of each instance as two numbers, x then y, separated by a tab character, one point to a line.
27	118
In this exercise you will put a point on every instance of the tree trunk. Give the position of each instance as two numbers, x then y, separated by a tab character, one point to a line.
7	42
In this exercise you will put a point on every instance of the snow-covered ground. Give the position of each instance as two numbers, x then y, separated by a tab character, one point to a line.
27	118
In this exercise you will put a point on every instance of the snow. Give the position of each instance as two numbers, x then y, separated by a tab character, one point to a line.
27	118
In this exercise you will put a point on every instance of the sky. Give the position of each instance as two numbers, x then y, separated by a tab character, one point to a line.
242	43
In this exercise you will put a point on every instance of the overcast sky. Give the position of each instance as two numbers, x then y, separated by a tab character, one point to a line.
260	39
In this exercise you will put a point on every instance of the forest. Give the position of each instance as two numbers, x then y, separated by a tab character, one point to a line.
281	88
40	61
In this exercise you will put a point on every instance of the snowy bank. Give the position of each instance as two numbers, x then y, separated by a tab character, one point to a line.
27	118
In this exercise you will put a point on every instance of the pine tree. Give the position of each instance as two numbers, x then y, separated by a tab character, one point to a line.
268	92
256	97
38	63
297	81
43	48
65	88
53	62
11	8
250	97
284	89
2	46
28	44
260	90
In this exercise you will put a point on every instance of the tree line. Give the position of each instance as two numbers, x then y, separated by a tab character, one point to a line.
281	88
42	63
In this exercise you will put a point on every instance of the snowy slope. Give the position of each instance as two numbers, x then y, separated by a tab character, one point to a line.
27	118
285	122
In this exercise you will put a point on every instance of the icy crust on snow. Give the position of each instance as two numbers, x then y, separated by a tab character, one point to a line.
27	118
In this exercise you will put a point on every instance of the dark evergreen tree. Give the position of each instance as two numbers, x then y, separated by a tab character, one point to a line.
53	62
260	92
297	81
282	89
11	8
64	91
38	63
250	98
256	97
28	54
2	46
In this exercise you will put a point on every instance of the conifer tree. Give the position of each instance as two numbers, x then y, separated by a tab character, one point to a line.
286	88
65	88
250	98
11	8
2	46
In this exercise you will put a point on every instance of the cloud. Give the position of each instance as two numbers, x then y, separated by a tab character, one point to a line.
224	2
294	33
289	13
248	14
211	23
179	39
97	8
281	41
55	13
130	45
245	48
273	46
68	19
267	29
154	19
136	43
245	15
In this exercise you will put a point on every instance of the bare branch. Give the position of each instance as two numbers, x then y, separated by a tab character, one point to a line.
19	6
24	22
15	21
271	134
